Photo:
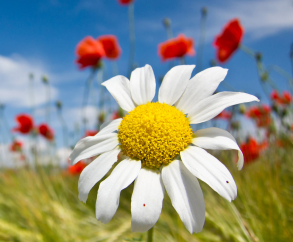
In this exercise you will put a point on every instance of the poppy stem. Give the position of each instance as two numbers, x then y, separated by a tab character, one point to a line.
168	27
115	70
48	93
85	97
262	72
182	60
291	57
101	102
131	37
63	123
167	24
150	235
201	39
283	73
247	50
31	93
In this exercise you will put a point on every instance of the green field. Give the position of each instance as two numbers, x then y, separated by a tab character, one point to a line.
43	205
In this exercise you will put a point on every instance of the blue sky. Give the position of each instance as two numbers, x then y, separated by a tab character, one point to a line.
41	36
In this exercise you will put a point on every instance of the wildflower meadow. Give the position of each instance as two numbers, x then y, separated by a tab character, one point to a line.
133	120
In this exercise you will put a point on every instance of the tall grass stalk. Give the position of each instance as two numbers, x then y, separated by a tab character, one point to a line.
43	205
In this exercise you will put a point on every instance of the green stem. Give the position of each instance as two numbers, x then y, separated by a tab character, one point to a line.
168	27
150	235
115	70
85	97
260	70
131	37
48	93
169	31
291	57
247	50
31	93
201	39
182	60
100	77
64	128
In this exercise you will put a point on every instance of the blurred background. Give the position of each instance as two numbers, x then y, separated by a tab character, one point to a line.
55	53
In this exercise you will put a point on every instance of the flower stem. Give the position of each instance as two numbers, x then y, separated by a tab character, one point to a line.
31	93
291	57
131	37
182	61
150	235
262	72
85	97
283	73
48	94
115	69
247	50
201	39
168	26
63	123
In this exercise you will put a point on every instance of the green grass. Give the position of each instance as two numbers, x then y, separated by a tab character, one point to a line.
43	205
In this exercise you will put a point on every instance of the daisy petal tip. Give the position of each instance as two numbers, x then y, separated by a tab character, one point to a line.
240	161
82	198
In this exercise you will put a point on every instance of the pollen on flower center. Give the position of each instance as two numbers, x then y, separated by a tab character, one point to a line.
154	133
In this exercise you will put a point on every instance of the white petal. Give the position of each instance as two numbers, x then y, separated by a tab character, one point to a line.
146	200
109	127
202	85
93	145
213	105
210	170
186	195
119	87
217	139
175	83
109	191
95	171
143	85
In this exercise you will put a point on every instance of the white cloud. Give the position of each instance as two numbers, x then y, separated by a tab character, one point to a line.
260	18
14	82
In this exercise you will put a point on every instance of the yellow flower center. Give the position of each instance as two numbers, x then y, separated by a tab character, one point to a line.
154	133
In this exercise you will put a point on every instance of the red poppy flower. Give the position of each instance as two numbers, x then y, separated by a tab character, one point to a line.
287	98
91	133
284	99
46	132
261	114
224	115
176	48
77	168
251	150
16	146
111	46
125	2
228	41
89	52
275	96
25	124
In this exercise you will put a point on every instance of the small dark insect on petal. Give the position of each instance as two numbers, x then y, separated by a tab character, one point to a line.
227	182
144	205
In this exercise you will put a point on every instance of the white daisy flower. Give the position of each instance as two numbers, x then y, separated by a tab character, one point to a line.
163	152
